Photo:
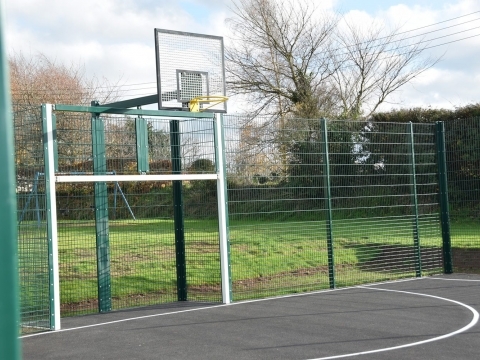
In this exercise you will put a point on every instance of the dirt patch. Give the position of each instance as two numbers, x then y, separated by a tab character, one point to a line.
205	248
249	283
76	308
205	289
466	260
91	305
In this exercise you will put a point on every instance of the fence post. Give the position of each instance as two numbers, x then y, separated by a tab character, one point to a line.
9	297
141	132
178	216
443	194
101	215
413	182
49	140
222	199
328	203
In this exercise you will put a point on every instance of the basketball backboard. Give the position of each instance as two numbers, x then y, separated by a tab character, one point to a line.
189	65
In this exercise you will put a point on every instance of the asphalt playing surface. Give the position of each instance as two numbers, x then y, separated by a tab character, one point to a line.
426	318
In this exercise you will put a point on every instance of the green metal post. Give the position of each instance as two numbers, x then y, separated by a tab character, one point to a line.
443	194
55	143
413	182
9	297
101	216
141	130
178	217
328	204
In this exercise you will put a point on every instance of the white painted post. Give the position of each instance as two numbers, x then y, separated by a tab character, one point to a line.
52	233
223	211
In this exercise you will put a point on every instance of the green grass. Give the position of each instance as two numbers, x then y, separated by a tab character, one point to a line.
267	258
465	234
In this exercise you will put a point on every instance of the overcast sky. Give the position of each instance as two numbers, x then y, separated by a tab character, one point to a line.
113	39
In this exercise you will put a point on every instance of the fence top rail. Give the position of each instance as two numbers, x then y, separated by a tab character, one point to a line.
123	111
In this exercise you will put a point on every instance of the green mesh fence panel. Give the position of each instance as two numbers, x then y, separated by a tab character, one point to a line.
375	222
463	171
277	215
279	210
32	231
141	226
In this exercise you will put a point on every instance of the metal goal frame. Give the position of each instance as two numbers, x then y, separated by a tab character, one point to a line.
52	177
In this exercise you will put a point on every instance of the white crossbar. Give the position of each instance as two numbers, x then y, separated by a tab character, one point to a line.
119	178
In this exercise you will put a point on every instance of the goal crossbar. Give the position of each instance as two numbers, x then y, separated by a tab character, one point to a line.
119	178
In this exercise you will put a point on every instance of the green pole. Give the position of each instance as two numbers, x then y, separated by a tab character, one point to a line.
178	217
101	216
9	297
141	131
443	197
413	182
328	204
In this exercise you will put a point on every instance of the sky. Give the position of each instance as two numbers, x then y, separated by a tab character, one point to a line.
114	39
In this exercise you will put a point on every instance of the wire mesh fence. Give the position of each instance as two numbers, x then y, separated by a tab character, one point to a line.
384	199
32	239
311	209
463	165
312	204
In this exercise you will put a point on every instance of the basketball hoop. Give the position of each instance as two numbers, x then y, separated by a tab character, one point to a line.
190	71
195	105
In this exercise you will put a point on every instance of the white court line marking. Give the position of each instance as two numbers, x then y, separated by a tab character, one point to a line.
210	307
206	308
472	323
122	320
433	278
185	311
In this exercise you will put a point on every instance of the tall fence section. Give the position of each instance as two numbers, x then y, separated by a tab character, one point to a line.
320	204
33	250
463	165
271	207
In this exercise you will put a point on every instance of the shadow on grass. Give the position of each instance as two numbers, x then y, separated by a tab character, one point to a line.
394	258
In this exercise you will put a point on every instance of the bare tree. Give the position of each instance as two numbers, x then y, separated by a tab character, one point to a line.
373	63
38	80
280	58
289	60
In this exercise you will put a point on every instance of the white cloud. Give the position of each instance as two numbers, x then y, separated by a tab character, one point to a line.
451	82
114	38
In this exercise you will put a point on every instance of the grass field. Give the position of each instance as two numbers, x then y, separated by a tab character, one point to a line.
267	258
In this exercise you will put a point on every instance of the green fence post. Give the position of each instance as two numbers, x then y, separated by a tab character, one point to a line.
178	218
55	143
413	182
101	216
443	197
141	130
9	297
328	203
